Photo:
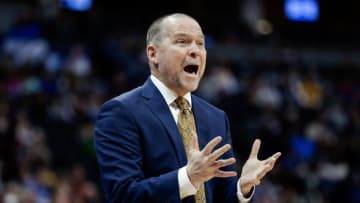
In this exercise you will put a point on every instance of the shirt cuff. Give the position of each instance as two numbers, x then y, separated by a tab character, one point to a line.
240	195
186	188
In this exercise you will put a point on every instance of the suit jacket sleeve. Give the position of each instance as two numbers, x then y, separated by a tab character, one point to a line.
118	142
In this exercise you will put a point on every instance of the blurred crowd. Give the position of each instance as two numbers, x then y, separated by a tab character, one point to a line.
56	72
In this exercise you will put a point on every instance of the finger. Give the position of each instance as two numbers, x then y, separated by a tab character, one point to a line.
219	152
255	149
273	158
266	168
264	171
224	162
225	174
210	146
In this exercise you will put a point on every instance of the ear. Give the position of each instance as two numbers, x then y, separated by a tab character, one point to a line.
151	54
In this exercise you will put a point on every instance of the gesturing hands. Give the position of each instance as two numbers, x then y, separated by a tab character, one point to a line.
254	169
205	164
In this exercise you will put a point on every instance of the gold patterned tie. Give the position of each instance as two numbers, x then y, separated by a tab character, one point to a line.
186	125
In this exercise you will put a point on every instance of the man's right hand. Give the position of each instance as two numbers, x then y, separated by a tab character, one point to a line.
204	165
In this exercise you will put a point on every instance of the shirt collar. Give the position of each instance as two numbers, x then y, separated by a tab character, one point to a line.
167	93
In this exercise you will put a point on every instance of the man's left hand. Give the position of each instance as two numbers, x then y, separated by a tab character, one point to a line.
254	169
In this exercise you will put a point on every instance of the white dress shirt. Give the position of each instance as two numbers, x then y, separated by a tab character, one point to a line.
186	188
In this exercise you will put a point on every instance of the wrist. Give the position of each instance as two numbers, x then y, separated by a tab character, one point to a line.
246	192
186	188
246	189
195	182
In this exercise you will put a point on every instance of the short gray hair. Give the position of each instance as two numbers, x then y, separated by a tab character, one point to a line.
154	31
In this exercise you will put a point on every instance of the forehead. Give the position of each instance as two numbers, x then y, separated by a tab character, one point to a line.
182	26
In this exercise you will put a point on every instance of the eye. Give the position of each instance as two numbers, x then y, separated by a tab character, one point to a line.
181	41
200	43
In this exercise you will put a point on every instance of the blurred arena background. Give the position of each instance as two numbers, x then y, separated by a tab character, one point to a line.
285	71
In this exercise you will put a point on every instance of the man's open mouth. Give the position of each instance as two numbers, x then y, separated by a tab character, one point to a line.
192	69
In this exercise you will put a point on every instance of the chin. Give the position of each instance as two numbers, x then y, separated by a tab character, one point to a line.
192	88
189	86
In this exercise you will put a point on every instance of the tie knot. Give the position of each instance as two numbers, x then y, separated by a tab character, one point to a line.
182	103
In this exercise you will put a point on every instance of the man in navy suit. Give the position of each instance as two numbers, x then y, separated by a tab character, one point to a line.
139	149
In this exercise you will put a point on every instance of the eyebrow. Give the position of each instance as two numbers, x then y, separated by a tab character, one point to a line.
187	35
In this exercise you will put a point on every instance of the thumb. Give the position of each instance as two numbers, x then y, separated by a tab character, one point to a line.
255	149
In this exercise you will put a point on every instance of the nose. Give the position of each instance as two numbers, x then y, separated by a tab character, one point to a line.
195	50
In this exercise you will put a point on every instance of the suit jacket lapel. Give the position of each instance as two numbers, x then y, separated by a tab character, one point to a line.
156	103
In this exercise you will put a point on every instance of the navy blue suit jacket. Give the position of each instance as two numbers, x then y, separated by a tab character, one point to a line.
139	148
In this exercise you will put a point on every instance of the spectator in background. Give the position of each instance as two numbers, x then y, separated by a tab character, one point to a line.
25	42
